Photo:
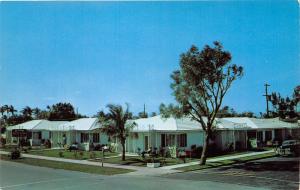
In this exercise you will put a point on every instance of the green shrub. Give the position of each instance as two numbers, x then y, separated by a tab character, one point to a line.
113	147
81	154
15	154
92	155
61	154
47	144
198	151
172	151
2	141
75	154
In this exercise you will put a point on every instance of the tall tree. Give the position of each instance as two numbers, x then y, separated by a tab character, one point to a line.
285	108
36	111
226	111
5	109
27	111
296	98
246	114
143	115
62	111
44	114
114	124
153	114
12	110
2	110
200	86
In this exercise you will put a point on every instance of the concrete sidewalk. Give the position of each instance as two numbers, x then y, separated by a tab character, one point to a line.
216	159
137	170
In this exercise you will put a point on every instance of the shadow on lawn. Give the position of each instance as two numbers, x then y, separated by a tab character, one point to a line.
132	161
257	166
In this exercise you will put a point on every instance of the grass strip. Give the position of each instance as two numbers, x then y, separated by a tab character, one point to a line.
78	155
226	162
68	166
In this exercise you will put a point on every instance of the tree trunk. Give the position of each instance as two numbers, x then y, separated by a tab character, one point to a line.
204	150
123	150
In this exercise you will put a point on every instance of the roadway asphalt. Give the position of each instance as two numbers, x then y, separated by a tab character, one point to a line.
16	176
271	173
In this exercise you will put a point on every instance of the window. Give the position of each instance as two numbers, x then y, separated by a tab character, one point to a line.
268	135
278	134
181	140
84	137
170	141
260	136
163	140
146	140
96	138
37	135
29	135
167	140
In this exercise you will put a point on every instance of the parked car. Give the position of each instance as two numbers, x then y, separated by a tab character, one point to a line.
289	147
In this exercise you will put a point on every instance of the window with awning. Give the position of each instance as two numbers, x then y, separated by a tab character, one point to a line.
167	140
181	140
96	138
84	137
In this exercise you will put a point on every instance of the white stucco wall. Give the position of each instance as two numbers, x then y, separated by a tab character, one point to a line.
194	137
45	134
132	143
103	138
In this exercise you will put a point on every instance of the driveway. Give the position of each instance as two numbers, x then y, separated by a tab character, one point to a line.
272	173
16	176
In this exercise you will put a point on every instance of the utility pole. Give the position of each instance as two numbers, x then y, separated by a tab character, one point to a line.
144	110
267	98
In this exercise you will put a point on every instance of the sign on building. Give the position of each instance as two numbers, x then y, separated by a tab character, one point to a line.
19	133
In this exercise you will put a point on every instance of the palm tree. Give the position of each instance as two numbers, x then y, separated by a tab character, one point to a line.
114	124
5	108
49	108
27	111
61	111
2	110
12	110
36	111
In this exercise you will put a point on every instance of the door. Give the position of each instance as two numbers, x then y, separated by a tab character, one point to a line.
146	142
268	135
260	136
278	134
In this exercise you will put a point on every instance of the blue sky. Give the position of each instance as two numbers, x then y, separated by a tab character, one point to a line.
95	53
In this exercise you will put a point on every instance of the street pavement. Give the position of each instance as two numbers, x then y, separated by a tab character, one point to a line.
272	173
17	176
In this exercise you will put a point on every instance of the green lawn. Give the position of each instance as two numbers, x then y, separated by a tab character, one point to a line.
68	166
80	155
139	161
230	154
226	162
135	160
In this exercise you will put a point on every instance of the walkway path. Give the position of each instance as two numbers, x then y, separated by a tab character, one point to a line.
217	159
